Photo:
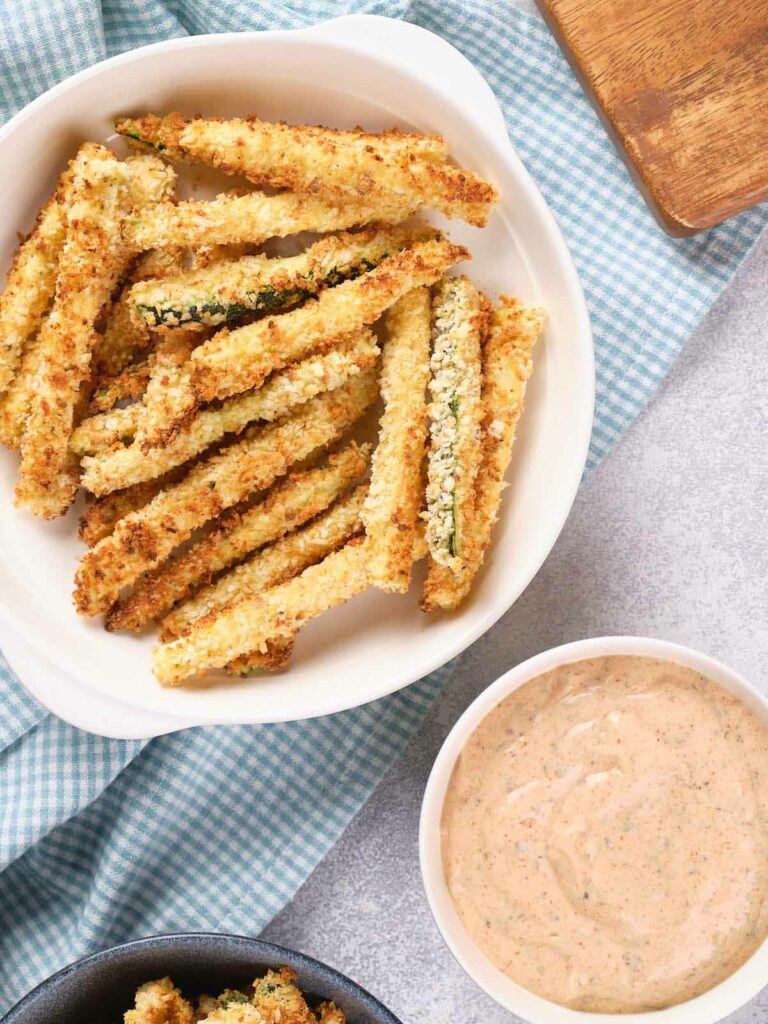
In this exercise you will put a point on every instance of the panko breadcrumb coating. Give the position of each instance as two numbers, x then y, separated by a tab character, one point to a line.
272	565
460	319
295	385
507	366
90	265
327	162
396	493
145	538
226	292
105	430
129	383
279	999
17	400
281	611
302	495
275	999
169	399
233	361
160	1002
251	218
32	278
102	514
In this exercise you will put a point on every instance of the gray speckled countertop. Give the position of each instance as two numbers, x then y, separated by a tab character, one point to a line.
668	538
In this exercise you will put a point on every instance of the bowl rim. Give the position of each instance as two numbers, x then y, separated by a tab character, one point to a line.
277	954
709	1007
353	33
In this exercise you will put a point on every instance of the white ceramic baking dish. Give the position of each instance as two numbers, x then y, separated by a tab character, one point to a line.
357	70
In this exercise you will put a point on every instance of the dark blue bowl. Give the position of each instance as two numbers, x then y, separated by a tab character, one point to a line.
100	988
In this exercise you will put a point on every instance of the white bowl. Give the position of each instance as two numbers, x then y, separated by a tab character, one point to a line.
357	70
707	1008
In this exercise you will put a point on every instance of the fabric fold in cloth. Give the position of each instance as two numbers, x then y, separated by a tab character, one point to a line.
105	840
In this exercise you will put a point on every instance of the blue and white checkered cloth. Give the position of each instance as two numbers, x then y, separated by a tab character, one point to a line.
104	840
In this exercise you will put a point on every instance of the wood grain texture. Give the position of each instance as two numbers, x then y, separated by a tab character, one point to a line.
682	86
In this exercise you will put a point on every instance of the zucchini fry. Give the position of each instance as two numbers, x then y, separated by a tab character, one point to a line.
272	565
169	399
145	538
281	611
163	135
251	218
110	389
507	367
395	495
101	516
32	278
160	1002
150	180
338	164
279	1001
459	318
104	430
329	1013
16	402
91	261
297	384
301	496
225	293
233	361
275	656
124	337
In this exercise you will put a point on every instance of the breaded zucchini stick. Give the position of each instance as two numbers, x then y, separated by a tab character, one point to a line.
160	1002
296	500
101	515
272	565
252	218
91	261
275	656
233	361
124	337
223	294
279	1000
163	135
104	430
396	494
507	366
129	383
32	279
145	538
169	399
459	321
329	1013
123	467
281	611
15	403
342	165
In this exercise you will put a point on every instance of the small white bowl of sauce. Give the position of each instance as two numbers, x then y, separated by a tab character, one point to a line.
594	836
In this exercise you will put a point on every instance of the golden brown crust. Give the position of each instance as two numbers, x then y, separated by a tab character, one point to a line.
90	265
251	218
129	383
222	635
233	361
15	403
169	400
159	1002
340	165
395	496
32	278
273	564
144	538
101	515
297	384
302	495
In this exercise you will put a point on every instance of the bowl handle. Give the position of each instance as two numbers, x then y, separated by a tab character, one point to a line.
421	52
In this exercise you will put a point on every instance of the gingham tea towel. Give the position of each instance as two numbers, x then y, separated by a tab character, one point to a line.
104	840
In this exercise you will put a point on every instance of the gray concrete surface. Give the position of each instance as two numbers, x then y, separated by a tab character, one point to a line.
668	538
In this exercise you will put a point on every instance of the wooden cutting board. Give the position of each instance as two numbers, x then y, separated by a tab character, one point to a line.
682	86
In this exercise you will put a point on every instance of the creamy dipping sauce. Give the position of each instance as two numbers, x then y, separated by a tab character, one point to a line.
605	834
